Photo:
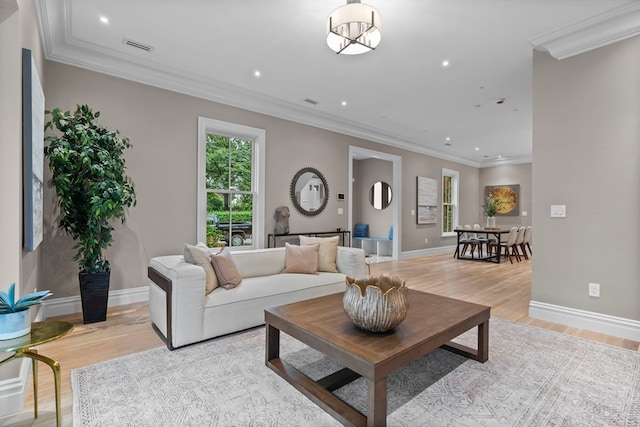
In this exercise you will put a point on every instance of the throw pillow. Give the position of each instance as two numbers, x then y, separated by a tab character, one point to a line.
204	248
226	269
301	259
195	255
327	253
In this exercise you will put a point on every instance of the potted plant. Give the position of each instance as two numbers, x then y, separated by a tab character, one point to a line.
88	174
14	316
490	208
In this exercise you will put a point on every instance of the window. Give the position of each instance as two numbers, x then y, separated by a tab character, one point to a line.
230	184
449	201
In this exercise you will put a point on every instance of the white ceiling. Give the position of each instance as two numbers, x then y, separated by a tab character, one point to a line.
398	94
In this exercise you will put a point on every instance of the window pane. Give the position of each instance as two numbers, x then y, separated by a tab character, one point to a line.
236	215
447	218
446	189
217	163
241	161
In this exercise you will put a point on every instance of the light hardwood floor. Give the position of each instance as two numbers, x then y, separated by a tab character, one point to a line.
505	287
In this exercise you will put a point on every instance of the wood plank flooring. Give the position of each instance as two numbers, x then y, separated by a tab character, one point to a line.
505	287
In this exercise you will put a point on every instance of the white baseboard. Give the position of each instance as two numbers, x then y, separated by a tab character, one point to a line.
427	252
69	305
597	322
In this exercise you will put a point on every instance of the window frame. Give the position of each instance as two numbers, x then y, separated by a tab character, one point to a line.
258	136
455	182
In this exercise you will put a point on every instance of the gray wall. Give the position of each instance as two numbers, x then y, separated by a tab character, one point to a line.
18	29
162	126
509	175
586	155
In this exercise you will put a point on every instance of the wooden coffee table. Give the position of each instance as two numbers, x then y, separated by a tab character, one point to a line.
322	324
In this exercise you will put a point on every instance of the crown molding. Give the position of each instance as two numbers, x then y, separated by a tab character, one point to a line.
60	46
511	160
606	28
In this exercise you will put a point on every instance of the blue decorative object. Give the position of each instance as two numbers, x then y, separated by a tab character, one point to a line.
15	320
361	230
13	325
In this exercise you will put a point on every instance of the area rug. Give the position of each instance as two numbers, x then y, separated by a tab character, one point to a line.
534	377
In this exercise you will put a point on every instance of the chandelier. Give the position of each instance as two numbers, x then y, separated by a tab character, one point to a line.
354	28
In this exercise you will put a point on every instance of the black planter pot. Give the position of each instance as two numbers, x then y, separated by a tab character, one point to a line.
94	293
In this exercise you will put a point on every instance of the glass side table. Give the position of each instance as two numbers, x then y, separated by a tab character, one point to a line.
41	332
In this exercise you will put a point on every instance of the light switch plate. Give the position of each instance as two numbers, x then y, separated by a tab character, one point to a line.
558	211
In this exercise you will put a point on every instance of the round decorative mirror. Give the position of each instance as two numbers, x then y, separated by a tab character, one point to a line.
309	191
380	195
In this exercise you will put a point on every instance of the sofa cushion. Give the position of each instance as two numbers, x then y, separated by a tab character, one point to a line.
226	269
301	259
327	252
196	255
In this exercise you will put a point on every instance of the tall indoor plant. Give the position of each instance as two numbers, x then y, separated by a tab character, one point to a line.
88	174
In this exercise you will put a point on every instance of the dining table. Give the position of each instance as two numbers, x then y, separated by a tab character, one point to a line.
492	234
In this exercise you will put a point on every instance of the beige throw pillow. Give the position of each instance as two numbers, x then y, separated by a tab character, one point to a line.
301	259
226	269
195	255
327	253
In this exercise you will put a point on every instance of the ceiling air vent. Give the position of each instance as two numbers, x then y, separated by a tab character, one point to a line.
137	45
310	101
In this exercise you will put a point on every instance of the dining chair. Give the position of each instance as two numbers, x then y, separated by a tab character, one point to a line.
520	242
527	240
465	241
509	246
482	241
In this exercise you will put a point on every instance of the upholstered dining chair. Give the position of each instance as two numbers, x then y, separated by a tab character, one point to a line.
527	240
482	241
472	241
465	241
520	242
509	246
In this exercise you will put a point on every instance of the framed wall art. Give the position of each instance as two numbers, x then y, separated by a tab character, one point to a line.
509	195
33	152
427	200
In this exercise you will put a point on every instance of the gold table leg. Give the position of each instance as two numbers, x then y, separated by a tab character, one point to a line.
55	366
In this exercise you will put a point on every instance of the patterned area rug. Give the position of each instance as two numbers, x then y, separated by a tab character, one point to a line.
534	377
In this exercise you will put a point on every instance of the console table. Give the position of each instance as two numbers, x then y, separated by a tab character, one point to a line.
277	240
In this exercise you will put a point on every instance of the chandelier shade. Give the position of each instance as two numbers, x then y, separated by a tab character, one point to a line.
354	28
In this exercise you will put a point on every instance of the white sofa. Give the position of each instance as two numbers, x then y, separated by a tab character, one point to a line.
183	315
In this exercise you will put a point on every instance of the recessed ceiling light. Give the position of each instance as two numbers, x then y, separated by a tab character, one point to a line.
343	103
256	73
448	139
445	63
104	19
477	148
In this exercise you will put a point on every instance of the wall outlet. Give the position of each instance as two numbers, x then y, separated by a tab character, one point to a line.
594	289
426	241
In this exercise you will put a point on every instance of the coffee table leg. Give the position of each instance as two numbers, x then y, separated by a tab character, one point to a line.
377	410
273	343
483	341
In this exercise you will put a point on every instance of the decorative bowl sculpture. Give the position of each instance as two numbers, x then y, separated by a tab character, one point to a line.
376	304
